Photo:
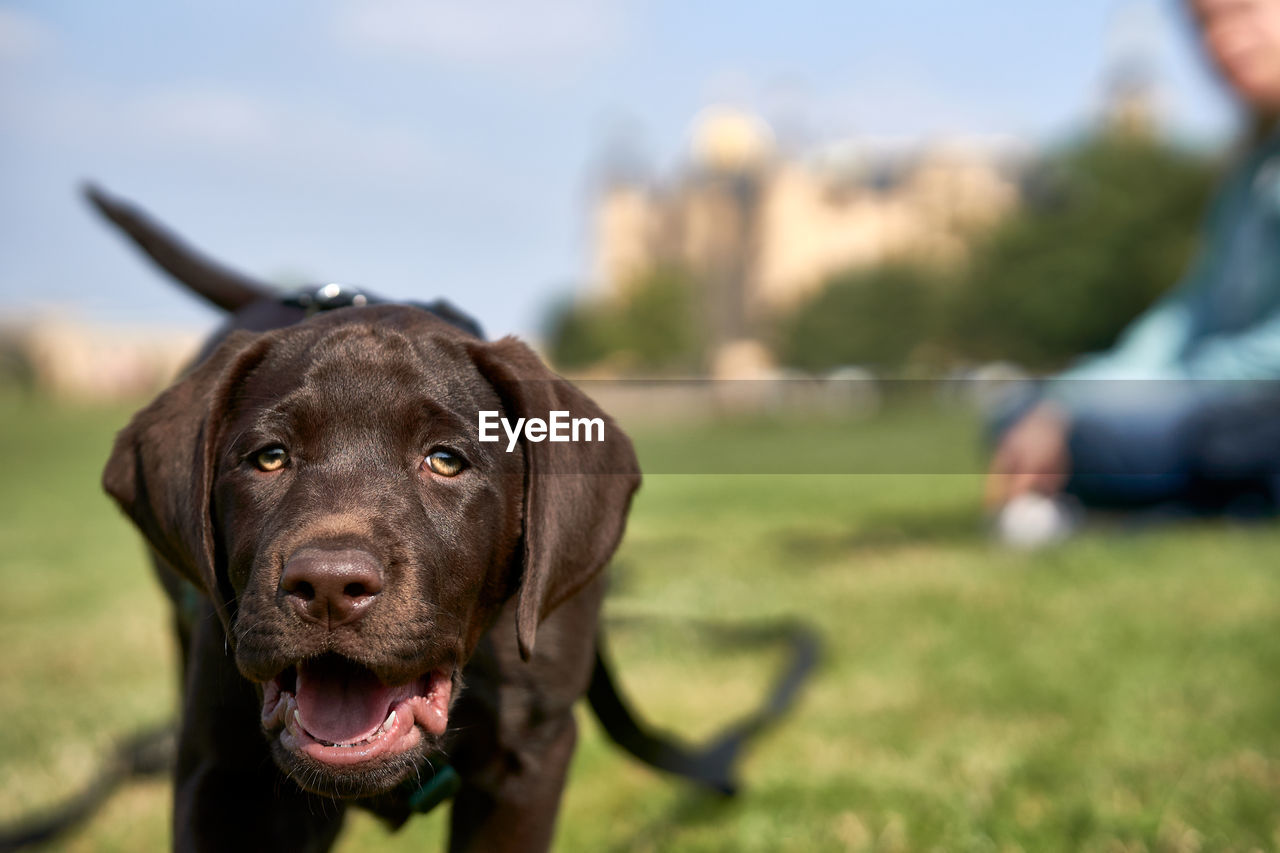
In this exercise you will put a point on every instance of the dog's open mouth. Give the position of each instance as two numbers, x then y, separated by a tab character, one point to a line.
337	712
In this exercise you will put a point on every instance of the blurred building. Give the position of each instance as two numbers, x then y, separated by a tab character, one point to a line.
761	231
66	358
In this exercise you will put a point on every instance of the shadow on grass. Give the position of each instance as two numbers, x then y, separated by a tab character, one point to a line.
960	526
694	808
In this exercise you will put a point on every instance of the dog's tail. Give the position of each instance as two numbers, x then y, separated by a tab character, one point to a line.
225	288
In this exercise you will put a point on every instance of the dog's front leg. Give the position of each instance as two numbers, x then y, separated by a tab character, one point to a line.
228	792
519	812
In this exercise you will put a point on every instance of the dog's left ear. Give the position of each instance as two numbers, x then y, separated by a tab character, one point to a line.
576	493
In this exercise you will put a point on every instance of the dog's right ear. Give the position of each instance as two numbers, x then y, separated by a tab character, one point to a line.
576	496
161	468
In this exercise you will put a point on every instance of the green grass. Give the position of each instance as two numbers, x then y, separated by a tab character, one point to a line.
1120	692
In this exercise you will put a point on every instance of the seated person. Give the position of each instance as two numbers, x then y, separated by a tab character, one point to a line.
1185	409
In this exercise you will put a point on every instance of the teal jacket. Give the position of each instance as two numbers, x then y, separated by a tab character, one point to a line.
1222	321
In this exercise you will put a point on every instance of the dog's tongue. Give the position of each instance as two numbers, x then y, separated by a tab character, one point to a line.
340	701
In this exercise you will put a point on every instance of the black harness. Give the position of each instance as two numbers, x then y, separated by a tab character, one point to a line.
329	296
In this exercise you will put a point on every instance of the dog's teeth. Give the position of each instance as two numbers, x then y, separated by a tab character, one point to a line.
388	722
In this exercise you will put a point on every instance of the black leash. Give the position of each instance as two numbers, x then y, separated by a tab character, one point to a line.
712	765
147	753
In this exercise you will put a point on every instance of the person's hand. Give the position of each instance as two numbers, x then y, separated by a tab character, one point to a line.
1032	457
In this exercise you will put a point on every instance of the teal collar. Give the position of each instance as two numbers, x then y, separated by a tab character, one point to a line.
442	785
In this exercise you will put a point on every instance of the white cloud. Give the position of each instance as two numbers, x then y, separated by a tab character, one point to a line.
214	124
497	33
208	117
22	37
885	104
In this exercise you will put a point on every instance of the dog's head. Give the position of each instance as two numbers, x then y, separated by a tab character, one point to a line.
325	486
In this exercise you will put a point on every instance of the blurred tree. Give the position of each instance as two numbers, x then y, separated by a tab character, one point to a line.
657	324
1111	228
576	333
873	317
660	323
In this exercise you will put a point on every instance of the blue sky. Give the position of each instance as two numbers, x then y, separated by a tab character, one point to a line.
427	148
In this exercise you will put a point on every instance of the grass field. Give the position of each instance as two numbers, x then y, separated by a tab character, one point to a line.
1120	692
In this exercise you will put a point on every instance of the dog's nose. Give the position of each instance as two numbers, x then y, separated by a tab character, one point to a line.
331	587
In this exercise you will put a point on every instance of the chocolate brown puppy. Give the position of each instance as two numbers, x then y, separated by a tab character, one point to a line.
366	591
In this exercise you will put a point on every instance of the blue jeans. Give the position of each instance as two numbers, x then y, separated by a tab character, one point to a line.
1199	446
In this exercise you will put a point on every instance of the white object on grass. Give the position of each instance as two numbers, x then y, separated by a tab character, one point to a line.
1033	520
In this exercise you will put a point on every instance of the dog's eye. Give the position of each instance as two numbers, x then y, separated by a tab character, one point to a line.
270	458
445	462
